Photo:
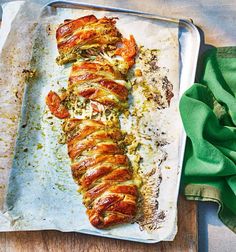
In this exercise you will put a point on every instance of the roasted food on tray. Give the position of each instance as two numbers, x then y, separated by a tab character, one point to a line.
128	50
98	81
55	105
99	164
84	36
102	170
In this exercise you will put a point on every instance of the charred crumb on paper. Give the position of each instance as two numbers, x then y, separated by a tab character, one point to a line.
49	29
25	149
168	87
161	215
29	73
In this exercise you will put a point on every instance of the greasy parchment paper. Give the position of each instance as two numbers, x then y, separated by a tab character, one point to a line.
41	193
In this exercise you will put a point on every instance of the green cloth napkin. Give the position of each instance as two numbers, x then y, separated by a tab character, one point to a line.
208	111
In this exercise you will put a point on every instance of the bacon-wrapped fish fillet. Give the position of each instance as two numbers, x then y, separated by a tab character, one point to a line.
103	172
85	35
99	165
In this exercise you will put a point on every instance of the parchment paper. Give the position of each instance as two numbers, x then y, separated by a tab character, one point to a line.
41	193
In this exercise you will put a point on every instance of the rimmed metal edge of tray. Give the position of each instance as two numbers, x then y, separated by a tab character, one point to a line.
189	42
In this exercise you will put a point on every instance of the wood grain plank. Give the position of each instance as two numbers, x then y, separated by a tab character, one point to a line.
2	242
54	241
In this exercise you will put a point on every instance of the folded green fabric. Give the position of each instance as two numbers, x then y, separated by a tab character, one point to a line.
208	111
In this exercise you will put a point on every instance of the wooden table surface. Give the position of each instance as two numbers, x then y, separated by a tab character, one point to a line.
54	241
206	14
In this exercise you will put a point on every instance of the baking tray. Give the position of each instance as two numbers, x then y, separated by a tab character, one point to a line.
189	42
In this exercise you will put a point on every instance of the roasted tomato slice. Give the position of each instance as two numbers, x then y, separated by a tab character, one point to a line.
54	104
128	50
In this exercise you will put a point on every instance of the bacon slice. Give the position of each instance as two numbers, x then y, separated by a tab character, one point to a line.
98	81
